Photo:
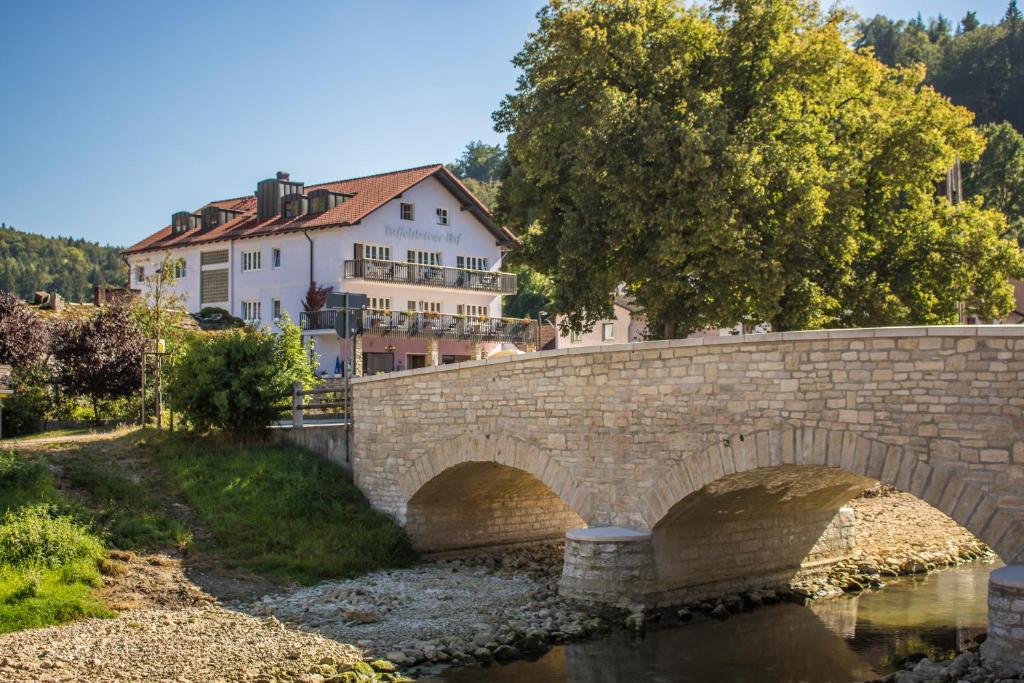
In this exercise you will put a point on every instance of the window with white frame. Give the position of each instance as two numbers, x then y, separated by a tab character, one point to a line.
575	337
377	251
472	262
607	331
275	309
250	260
442	216
424	258
425	306
140	274
406	211
252	311
380	303
179	269
275	258
473	310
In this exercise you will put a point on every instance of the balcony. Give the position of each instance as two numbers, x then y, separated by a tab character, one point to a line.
318	320
404	273
377	323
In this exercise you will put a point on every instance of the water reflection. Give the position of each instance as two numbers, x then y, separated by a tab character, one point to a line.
834	641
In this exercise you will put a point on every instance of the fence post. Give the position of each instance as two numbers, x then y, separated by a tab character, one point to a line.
297	405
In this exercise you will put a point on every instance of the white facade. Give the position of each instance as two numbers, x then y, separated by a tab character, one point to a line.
255	283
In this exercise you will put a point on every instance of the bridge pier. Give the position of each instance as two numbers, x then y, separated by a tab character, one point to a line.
608	565
1004	647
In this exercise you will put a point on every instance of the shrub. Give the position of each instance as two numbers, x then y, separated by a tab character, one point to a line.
31	402
23	482
34	536
238	380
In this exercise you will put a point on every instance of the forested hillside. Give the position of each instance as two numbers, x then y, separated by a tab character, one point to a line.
68	266
979	66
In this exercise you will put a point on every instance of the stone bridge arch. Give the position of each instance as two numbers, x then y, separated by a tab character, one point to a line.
821	450
486	490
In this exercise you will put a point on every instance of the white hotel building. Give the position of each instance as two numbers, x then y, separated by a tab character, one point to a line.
424	250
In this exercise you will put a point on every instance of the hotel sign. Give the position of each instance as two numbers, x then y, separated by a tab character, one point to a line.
420	235
5	380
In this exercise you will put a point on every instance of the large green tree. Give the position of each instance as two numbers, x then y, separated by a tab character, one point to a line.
998	176
740	163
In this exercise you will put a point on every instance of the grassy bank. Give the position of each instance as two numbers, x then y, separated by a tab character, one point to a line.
279	510
48	559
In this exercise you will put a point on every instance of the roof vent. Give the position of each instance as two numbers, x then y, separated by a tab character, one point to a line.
183	221
271	191
324	200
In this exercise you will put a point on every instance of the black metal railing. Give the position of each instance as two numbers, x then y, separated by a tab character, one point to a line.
381	323
402	272
318	320
376	323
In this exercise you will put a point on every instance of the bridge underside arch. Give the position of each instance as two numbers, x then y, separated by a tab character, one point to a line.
481	504
754	529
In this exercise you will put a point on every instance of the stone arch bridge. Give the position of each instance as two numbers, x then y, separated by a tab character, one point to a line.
683	468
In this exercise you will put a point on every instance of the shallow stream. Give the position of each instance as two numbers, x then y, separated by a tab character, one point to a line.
851	638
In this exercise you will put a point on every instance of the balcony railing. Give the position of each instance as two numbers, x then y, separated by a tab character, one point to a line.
377	323
318	320
402	272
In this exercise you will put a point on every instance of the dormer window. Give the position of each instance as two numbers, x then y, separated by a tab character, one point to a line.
407	213
294	205
183	221
442	216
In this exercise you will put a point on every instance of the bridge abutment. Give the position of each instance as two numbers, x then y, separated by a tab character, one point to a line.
1005	644
608	565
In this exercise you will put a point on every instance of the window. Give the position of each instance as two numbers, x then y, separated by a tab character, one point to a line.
275	258
213	286
575	337
607	331
179	269
406	211
424	258
250	261
380	303
472	262
140	274
251	311
377	251
473	311
275	309
442	216
425	306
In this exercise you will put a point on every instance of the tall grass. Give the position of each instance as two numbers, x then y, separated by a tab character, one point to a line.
281	510
48	560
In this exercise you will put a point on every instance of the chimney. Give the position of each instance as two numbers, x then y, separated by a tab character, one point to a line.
271	191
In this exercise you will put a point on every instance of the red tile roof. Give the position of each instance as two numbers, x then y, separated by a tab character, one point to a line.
368	194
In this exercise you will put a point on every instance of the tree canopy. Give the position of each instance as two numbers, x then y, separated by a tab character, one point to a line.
741	163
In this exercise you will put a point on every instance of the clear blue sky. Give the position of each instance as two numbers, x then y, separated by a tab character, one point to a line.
113	115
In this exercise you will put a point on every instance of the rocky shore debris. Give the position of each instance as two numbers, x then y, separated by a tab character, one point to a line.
965	668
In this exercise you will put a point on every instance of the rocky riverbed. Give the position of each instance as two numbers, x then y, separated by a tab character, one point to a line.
491	606
495	606
966	668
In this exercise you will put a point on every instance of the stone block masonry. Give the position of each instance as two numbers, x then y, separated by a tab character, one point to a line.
1005	642
638	435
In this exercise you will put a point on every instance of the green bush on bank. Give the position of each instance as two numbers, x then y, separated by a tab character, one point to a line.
48	560
281	510
237	380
